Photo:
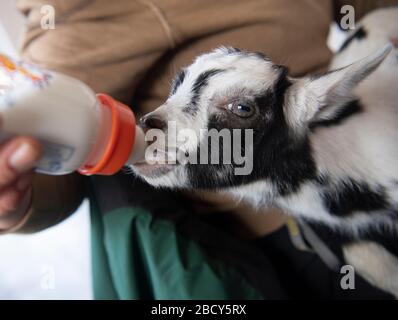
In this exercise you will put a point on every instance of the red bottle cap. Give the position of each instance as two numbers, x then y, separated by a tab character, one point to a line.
120	143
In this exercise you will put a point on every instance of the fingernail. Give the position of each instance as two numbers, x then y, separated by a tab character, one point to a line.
24	182
23	158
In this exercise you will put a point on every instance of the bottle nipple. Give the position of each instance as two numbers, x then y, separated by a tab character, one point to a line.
138	154
126	141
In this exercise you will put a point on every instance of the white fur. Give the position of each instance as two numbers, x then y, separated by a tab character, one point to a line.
375	264
239	70
365	146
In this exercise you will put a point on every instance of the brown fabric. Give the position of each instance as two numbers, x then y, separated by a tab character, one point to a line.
116	47
132	48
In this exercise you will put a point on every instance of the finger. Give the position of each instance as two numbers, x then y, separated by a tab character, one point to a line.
24	181
9	201
11	197
16	157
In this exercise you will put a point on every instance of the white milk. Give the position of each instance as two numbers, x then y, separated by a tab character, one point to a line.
74	126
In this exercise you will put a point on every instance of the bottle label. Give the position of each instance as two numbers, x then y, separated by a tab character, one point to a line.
55	155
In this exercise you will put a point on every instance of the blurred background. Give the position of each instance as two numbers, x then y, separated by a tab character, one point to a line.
55	263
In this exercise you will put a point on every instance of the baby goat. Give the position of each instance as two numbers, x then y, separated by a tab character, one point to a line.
325	147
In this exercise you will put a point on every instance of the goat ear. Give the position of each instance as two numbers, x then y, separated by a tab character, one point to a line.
320	98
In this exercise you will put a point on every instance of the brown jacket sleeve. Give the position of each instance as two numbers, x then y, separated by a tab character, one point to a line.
107	45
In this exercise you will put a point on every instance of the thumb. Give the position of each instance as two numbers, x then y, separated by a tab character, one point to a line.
17	156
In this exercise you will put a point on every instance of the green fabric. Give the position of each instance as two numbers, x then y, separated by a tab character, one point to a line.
135	256
102	279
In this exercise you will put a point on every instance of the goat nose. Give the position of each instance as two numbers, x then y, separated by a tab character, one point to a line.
153	122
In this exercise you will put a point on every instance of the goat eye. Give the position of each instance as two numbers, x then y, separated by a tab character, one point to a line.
240	109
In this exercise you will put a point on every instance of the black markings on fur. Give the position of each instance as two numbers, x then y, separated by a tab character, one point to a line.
350	109
286	162
393	214
237	51
281	84
179	79
320	75
200	83
232	50
359	34
322	179
352	196
277	156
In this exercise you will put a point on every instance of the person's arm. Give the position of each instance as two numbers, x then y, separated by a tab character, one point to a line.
31	202
104	46
107	46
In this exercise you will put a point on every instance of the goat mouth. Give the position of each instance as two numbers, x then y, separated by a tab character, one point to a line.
157	169
153	170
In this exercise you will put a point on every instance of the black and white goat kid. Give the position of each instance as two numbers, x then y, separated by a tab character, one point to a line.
325	147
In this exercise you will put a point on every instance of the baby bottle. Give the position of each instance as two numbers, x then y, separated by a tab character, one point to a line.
79	130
